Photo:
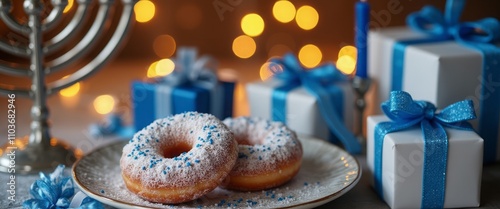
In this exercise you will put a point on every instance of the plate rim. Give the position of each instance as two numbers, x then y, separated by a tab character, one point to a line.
312	203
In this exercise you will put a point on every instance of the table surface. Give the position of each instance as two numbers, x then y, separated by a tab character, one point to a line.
70	118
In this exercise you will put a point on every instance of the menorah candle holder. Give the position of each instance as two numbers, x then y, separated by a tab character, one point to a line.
40	151
360	85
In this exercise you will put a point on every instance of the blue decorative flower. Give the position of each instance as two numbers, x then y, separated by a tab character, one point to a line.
54	191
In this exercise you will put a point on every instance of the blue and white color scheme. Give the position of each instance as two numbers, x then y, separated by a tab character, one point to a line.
451	58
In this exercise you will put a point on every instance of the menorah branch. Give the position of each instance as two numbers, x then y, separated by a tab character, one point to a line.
55	15
21	72
84	45
107	52
5	9
16	91
73	26
21	51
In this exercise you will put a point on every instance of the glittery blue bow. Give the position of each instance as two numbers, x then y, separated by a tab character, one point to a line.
315	81
406	113
55	192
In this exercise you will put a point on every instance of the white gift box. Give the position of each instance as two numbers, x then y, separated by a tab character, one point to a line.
302	114
441	73
402	163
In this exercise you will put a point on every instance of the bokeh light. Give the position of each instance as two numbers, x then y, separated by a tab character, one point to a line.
284	11
164	67
307	17
70	91
346	64
252	24
164	46
144	11
244	46
69	6
310	55
348	50
104	104
347	59
152	70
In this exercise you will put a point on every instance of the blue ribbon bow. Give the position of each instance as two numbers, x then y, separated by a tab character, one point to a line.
480	35
315	81
55	191
192	71
406	113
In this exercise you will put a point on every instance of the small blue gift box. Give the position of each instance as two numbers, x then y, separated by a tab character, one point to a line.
191	87
423	158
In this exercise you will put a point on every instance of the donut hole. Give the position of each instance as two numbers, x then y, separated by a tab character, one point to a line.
175	149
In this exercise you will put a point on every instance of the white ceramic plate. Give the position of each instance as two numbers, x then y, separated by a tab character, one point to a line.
327	173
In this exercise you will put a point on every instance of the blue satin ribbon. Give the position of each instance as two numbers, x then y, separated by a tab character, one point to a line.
55	191
316	81
406	113
479	35
191	71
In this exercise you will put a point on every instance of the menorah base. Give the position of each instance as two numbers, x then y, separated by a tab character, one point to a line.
20	157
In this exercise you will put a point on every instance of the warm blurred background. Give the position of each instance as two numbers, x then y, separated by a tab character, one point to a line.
241	34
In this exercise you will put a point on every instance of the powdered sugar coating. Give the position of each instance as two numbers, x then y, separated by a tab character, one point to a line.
263	145
142	158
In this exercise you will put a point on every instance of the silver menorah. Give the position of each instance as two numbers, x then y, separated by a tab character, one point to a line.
43	152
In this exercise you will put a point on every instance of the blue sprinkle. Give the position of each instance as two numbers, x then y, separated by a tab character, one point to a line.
305	183
281	199
102	191
188	164
242	155
197	161
143	167
260	158
164	172
198	145
272	196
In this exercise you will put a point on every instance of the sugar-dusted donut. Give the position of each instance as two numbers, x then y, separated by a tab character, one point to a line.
269	154
178	158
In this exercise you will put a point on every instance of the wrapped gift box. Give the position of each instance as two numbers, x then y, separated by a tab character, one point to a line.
442	73
153	100
302	114
402	166
450	71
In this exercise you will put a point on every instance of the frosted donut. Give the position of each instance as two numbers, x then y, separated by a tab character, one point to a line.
269	154
178	158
